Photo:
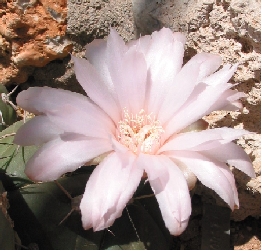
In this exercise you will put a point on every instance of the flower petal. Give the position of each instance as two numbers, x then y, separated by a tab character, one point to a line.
229	101
221	76
142	44
95	52
230	177
164	59
203	140
234	155
153	166
208	62
40	100
208	172
171	192
156	52
108	190
198	106
186	80
37	131
63	155
96	88
70	111
195	110
129	75
91	123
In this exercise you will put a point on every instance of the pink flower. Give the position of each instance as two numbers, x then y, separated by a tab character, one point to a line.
144	111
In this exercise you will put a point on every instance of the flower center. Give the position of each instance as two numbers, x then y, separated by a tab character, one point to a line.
140	132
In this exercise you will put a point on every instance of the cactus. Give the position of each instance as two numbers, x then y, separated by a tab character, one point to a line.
7	234
7	111
38	208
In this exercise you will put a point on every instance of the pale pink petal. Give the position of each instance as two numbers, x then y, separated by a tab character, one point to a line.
37	131
153	166
95	54
164	59
157	49
108	190
171	192
165	113
233	95
115	43
147	43
234	155
221	76
64	155
208	172
208	63
70	111
130	78
142	44
174	95
230	177
113	55
229	101
195	110
185	82
90	122
41	100
200	104
117	146
233	106
96	88
203	140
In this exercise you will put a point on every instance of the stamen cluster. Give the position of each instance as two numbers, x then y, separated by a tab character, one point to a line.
140	132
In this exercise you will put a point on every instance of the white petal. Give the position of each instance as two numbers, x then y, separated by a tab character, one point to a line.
200	104
234	155
209	173
70	111
129	75
171	192
63	155
40	100
142	44
221	76
230	177
153	166
96	88
108	190
208	62
91	122
37	131
96	55
190	75
199	141
195	110
113	57
164	59
229	101
157	49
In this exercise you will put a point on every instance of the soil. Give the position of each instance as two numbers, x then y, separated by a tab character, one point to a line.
246	235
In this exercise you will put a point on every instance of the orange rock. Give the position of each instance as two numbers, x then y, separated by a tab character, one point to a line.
32	33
